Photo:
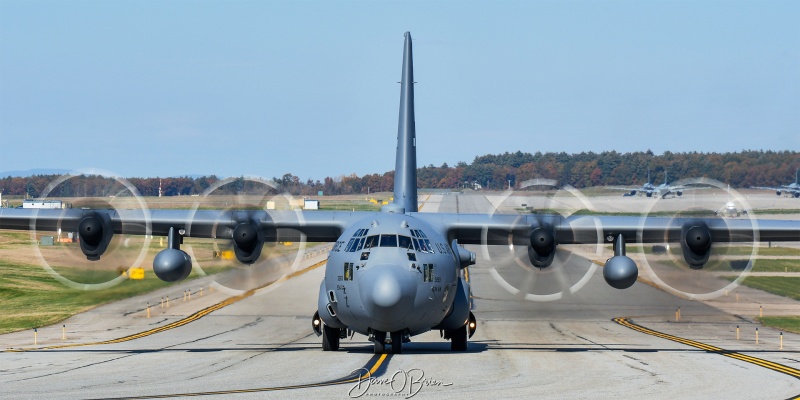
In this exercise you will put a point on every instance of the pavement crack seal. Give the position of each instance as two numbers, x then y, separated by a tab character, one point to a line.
373	368
626	322
194	317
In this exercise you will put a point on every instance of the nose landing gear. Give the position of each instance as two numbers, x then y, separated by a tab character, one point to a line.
396	340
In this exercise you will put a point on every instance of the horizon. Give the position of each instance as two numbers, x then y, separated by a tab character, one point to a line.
231	88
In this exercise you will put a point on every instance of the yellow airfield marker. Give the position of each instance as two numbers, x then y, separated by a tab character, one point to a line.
148	310
756	335
35	334
63	332
737	332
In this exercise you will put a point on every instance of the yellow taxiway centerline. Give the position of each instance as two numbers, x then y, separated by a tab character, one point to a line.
626	322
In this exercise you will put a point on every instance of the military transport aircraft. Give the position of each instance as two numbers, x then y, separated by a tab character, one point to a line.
792	189
396	273
663	190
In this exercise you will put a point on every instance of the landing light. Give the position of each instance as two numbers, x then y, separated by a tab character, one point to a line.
316	322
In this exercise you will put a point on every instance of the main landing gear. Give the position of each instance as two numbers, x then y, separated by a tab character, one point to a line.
330	335
458	337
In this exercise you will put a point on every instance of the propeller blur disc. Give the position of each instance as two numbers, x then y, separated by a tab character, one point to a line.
64	260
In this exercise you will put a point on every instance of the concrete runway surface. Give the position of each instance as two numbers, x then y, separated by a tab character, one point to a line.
260	344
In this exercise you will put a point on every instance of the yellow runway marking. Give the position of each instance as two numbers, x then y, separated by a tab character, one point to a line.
194	317
712	349
355	376
423	203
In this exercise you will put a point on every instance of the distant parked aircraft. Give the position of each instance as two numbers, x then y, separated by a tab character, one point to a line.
792	189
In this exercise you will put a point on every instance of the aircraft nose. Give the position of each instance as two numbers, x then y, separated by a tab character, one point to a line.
386	291
387	294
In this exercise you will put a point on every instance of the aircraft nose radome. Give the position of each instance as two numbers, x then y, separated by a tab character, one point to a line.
386	293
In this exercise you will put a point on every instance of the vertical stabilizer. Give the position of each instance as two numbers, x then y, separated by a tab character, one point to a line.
405	170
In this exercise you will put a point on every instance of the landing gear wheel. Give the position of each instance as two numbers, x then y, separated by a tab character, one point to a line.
330	338
397	342
379	341
458	339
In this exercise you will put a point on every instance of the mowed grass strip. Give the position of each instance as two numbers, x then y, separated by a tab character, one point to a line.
786	286
32	298
787	324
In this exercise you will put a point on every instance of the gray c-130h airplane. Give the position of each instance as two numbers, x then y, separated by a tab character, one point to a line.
397	273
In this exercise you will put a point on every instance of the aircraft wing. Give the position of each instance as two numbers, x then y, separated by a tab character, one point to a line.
768	188
317	226
327	226
498	228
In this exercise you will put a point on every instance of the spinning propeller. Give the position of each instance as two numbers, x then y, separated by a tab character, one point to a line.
81	235
694	264
530	264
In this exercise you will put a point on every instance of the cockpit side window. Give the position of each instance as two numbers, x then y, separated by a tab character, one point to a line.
356	243
421	242
388	241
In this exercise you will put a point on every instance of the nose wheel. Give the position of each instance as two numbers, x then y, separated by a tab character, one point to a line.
397	342
379	341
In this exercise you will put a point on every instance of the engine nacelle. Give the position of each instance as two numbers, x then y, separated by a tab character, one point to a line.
172	265
620	272
778	192
633	192
679	193
248	240
542	247
796	195
649	194
695	244
465	257
95	232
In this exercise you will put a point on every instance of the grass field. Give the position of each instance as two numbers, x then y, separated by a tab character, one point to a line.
722	249
786	324
781	285
32	298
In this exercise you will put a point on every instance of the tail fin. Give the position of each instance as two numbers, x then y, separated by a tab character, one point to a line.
405	170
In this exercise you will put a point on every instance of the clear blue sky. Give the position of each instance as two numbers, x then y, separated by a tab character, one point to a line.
166	88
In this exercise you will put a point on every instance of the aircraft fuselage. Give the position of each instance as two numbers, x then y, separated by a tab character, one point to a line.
392	273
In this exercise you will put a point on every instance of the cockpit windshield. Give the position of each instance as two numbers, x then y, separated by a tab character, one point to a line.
388	241
405	242
372	241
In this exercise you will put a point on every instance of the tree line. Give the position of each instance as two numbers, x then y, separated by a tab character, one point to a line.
491	171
